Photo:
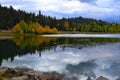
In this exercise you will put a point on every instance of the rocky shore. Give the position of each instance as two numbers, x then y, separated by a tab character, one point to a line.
16	74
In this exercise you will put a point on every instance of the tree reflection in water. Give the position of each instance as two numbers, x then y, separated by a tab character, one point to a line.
20	46
63	49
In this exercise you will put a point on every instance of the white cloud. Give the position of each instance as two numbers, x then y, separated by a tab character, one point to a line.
100	8
104	3
65	6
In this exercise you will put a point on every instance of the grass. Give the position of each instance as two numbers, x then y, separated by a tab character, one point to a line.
12	34
1	78
20	73
7	34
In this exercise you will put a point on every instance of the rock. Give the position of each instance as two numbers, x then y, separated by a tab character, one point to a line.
20	78
49	77
33	77
12	71
118	79
7	72
31	73
102	78
3	70
13	74
89	78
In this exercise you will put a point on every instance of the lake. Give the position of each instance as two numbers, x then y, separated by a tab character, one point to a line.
76	55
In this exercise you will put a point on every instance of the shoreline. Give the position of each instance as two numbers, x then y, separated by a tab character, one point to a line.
17	74
10	33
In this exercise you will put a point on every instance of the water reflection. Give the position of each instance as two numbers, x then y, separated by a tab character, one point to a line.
79	57
21	46
82	69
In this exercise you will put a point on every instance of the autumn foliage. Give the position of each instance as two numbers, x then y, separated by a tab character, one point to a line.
17	29
33	27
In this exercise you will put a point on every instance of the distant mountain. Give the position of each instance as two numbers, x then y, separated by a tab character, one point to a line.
115	19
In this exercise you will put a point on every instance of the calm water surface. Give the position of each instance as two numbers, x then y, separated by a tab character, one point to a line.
79	56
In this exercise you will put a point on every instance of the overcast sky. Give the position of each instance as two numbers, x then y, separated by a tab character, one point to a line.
68	8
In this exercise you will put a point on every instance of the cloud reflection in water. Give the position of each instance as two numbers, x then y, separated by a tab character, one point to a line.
101	60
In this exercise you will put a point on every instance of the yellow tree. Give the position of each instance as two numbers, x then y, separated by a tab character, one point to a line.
38	28
67	26
54	30
31	28
47	29
23	25
17	29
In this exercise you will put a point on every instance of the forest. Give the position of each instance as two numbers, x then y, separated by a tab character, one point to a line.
24	22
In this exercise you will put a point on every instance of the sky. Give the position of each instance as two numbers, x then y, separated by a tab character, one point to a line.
98	9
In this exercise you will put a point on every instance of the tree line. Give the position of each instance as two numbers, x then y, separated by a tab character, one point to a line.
33	27
9	17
